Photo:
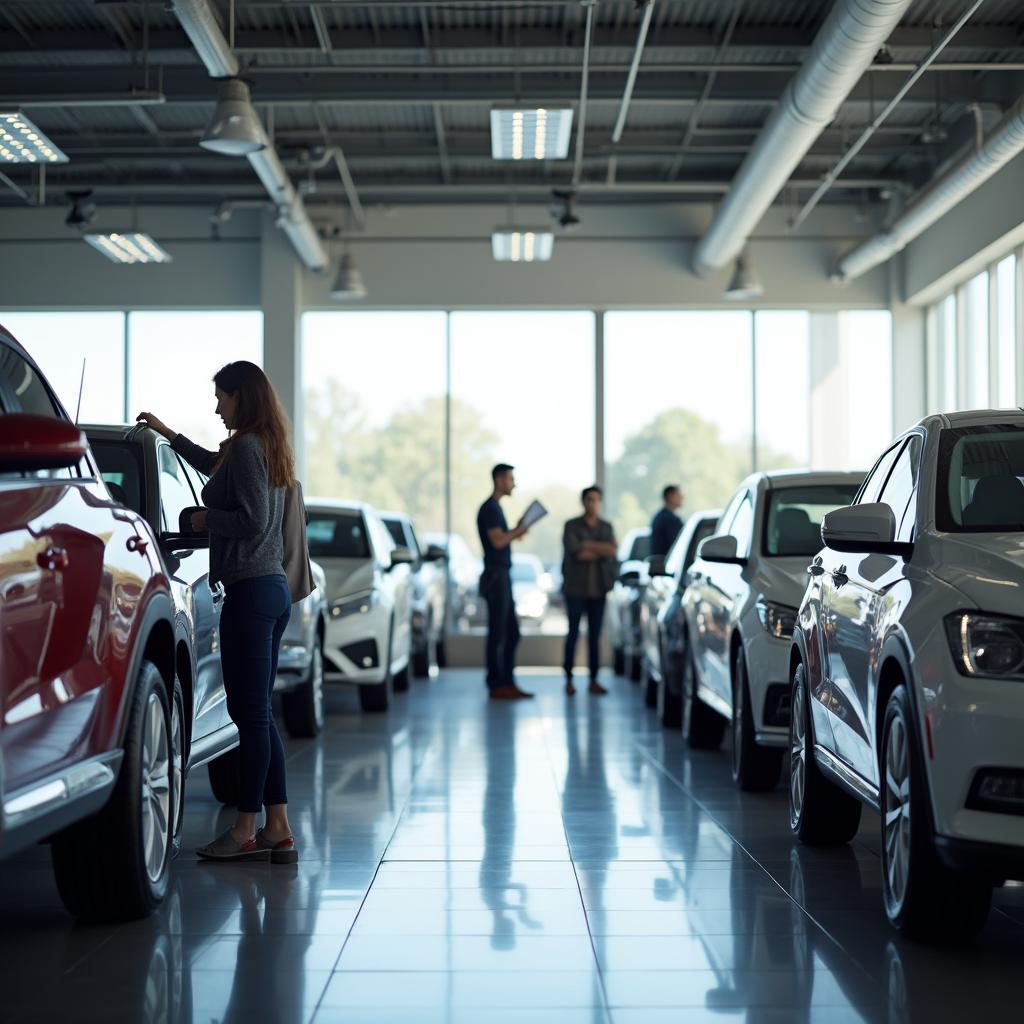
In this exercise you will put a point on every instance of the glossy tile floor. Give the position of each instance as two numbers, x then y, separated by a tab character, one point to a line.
554	861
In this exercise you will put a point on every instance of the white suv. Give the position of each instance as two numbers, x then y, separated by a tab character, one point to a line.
368	639
740	604
908	671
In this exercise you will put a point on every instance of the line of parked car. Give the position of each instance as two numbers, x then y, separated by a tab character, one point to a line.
111	690
863	636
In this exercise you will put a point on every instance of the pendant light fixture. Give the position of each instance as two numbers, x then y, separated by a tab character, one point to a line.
744	283
235	129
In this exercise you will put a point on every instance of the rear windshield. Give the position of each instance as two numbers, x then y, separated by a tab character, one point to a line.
337	535
981	479
121	468
793	524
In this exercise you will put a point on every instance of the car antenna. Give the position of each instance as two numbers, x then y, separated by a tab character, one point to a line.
81	385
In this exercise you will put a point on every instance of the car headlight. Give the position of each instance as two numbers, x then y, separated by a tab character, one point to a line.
358	605
986	645
779	620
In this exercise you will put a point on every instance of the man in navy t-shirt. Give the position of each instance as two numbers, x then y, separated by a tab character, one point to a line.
665	526
496	588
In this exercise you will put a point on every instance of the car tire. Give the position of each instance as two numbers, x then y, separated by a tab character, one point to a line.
179	760
703	728
820	813
755	769
224	773
376	697
115	865
303	707
618	661
441	652
425	659
669	704
923	898
636	669
649	684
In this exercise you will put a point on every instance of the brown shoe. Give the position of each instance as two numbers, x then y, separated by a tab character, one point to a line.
570	689
522	694
597	688
504	693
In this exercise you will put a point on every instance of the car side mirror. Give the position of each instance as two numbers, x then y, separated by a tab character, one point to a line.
656	565
721	548
868	528
32	443
435	554
402	556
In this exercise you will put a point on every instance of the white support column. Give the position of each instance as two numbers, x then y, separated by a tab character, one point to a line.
599	399
281	301
910	363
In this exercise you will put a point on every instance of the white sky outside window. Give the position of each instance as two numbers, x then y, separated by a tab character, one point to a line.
60	341
1006	333
867	334
947	354
976	297
783	382
172	357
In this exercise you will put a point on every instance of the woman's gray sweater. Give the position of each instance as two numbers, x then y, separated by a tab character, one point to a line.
243	511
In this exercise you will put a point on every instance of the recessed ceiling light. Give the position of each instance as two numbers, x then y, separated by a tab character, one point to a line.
531	134
522	245
21	142
128	247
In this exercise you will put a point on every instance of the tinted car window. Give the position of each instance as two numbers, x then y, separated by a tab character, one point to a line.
24	385
337	535
175	490
394	527
981	479
641	547
705	529
876	478
793	524
121	469
900	487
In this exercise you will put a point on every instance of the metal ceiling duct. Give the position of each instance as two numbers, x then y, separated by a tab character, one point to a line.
843	50
200	23
1001	145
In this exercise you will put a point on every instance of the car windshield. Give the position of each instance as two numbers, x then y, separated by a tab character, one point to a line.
337	535
121	469
793	526
641	547
981	479
524	572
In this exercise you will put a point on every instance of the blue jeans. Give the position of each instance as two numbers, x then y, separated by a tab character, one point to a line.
502	626
594	609
256	612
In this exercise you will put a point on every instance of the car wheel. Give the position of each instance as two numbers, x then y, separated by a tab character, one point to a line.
115	865
618	661
303	707
224	777
820	813
425	659
375	697
670	707
703	728
179	758
649	684
755	769
441	652
635	668
923	898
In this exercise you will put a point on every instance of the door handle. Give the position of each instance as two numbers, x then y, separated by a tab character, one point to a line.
53	558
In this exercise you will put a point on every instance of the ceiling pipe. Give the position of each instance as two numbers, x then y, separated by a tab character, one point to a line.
1003	143
843	50
627	96
581	121
200	23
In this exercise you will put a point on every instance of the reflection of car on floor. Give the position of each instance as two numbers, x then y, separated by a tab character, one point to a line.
623	615
87	663
465	609
530	597
368	639
429	595
662	618
907	671
740	606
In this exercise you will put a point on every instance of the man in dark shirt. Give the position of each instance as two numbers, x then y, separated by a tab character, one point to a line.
496	588
665	526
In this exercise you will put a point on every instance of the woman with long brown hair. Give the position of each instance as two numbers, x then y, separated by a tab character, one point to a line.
244	501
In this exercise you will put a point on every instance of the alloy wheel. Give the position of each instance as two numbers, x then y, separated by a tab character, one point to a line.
156	788
797	756
896	810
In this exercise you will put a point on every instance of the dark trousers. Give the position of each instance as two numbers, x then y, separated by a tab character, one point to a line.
254	618
502	626
593	607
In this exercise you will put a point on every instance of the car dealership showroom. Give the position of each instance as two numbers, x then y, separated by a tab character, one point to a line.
507	511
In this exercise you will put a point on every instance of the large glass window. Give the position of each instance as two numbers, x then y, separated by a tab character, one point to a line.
172	357
865	336
678	409
976	342
783	371
61	343
1006	333
947	355
374	389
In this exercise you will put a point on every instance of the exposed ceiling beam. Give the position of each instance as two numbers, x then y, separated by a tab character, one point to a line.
323	34
442	144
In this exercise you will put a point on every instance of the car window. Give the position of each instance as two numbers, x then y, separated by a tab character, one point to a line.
121	469
25	387
414	543
874	481
706	528
901	486
196	479
524	571
794	515
176	493
640	548
742	525
337	535
980	483
394	527
383	545
677	554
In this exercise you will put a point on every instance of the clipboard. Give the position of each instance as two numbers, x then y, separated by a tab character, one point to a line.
533	514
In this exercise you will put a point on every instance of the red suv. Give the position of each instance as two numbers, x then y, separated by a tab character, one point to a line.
86	663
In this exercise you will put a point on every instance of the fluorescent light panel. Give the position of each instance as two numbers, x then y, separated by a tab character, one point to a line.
21	142
128	247
522	245
534	134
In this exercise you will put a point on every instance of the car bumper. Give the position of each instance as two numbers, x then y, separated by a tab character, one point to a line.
768	678
998	860
293	665
355	646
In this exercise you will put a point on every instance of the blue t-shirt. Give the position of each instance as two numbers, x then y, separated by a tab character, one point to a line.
490	516
665	527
